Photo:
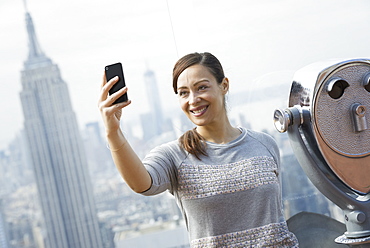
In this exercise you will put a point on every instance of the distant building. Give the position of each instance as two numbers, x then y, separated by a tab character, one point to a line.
299	194
19	166
98	155
4	161
4	242
57	154
152	122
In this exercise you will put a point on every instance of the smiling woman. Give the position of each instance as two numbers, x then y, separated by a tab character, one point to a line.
201	85
225	179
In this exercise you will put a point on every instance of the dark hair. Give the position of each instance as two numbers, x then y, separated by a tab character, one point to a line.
205	59
191	140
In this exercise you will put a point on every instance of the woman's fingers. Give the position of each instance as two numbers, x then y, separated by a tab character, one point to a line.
106	86
108	107
111	115
104	92
113	97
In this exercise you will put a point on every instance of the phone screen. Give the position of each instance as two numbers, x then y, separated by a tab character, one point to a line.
116	70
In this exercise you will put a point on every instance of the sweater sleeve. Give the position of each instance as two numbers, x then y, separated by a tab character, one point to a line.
274	149
161	166
271	145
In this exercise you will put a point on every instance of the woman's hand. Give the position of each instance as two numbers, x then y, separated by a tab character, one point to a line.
111	114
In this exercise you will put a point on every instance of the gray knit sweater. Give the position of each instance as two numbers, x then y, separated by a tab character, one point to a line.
230	198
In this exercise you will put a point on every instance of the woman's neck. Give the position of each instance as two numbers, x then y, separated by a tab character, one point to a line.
220	134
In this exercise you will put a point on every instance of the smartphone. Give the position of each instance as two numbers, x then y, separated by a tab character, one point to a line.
110	72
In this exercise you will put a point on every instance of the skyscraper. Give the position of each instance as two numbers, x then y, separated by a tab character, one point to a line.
154	119
56	151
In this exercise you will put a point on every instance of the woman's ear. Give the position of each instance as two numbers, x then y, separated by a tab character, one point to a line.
225	85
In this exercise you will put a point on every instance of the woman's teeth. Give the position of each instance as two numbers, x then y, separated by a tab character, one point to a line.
199	111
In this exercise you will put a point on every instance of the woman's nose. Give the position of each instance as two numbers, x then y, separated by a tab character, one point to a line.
193	98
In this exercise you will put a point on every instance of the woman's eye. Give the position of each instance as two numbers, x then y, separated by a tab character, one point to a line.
203	87
183	93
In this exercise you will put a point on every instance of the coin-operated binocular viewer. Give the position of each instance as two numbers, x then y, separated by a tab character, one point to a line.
328	124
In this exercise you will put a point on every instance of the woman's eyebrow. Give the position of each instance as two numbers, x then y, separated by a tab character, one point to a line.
182	87
195	84
200	81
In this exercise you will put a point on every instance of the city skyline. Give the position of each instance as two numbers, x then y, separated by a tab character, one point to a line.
251	39
49	75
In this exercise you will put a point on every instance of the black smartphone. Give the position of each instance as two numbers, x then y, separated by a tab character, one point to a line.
110	72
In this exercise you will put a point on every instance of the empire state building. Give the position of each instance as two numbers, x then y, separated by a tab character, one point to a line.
58	158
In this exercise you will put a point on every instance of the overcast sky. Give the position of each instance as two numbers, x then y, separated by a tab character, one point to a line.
251	38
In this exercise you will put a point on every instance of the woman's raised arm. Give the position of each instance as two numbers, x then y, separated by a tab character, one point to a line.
127	162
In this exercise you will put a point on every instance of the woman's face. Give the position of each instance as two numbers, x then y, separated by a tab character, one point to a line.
201	97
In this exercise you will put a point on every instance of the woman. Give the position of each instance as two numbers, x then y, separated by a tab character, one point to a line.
225	179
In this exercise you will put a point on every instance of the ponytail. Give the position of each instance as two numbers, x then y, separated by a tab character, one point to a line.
192	142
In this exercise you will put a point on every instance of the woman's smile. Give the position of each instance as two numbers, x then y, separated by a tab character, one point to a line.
199	111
